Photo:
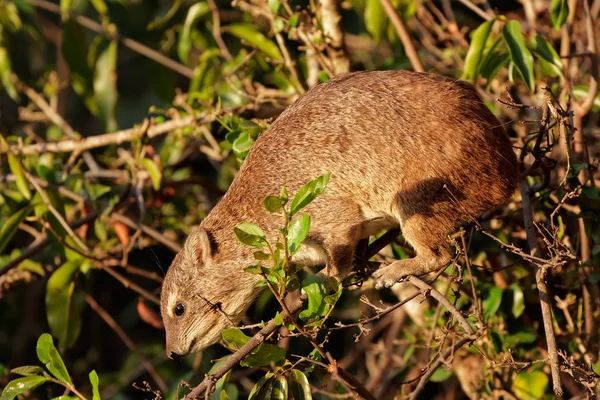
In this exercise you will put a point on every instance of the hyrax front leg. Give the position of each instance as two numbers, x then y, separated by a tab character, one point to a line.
428	237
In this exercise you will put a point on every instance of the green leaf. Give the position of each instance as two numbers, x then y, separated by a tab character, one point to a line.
297	232
253	269
581	92
163	19
274	5
249	234
440	375
66	5
96	190
518	305
492	303
100	6
28	370
74	48
11	226
559	11
278	319
95	382
6	75
19	386
66	398
259	385
272	203
547	54
316	291
242	145
475	53
496	341
280	389
255	38
519	52
492	64
299	386
185	40
63	307
105	86
374	18
264	354
50	357
262	256
308	192
283	195
154	171
16	169
530	385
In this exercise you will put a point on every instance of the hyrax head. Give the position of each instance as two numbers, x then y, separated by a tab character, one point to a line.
200	297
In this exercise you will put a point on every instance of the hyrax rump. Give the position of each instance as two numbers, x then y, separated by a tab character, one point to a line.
412	150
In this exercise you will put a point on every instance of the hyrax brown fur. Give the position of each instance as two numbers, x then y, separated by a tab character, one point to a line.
412	150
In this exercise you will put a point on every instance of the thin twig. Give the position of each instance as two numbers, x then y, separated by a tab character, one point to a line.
409	47
540	276
130	43
443	300
39	244
106	139
128	342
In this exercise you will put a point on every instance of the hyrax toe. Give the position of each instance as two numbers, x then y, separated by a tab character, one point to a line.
387	276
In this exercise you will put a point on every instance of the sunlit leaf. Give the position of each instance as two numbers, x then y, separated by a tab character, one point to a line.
154	171
530	385
185	41
242	145
520	54
50	357
264	354
280	389
28	370
249	234
272	203
581	92
19	386
299	386
259	385
163	19
254	38
307	193
21	181
518	305
474	56
297	232
6	75
11	226
547	53
440	375
559	11
492	303
374	18
62	307
94	381
105	86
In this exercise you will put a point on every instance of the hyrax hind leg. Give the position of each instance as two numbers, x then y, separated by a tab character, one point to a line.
428	236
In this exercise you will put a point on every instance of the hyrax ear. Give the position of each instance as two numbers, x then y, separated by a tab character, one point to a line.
199	246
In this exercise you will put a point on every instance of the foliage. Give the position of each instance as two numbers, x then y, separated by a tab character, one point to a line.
123	122
34	376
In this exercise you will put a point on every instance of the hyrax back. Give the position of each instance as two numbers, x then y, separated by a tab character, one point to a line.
411	150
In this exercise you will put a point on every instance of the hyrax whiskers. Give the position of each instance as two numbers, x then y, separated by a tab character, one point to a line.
414	151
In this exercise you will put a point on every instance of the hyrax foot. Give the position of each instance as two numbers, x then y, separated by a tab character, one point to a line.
387	276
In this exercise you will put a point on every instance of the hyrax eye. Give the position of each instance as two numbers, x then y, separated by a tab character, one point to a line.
179	309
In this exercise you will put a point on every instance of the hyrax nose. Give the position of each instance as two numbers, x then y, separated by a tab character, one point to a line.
174	356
